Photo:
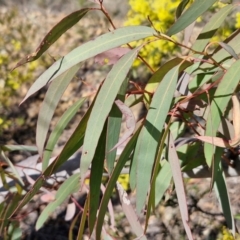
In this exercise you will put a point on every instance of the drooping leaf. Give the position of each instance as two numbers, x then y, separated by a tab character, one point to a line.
196	9
13	169
49	105
229	49
72	145
157	78
112	181
130	123
111	56
162	181
151	133
70	186
130	213
58	129
179	186
54	34
96	178
181	7
221	99
83	220
90	49
221	190
103	105
114	127
211	27
30	194
18	148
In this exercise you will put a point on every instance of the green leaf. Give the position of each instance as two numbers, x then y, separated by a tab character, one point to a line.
221	99
90	49
179	185
221	190
72	145
96	178
181	7
103	105
12	167
197	8
54	34
211	27
112	181
11	148
83	220
114	127
70	186
30	194
157	78
163	181
220	55
49	105
229	49
151	133
58	130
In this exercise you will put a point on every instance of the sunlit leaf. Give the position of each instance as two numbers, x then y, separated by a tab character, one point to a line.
103	105
179	186
54	34
229	49
49	105
130	123
90	49
70	186
151	133
114	127
112	181
222	192
96	178
222	96
196	9
58	130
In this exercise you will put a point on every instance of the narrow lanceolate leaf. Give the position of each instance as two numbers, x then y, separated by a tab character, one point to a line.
18	148
197	8
10	164
72	145
181	7
130	213
229	49
221	190
103	105
235	141
179	186
130	123
96	179
58	130
49	105
157	78
149	137
70	186
114	127
112	181
54	34
211	27
90	49
221	99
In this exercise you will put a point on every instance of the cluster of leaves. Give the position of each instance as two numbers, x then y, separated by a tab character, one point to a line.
154	149
161	14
